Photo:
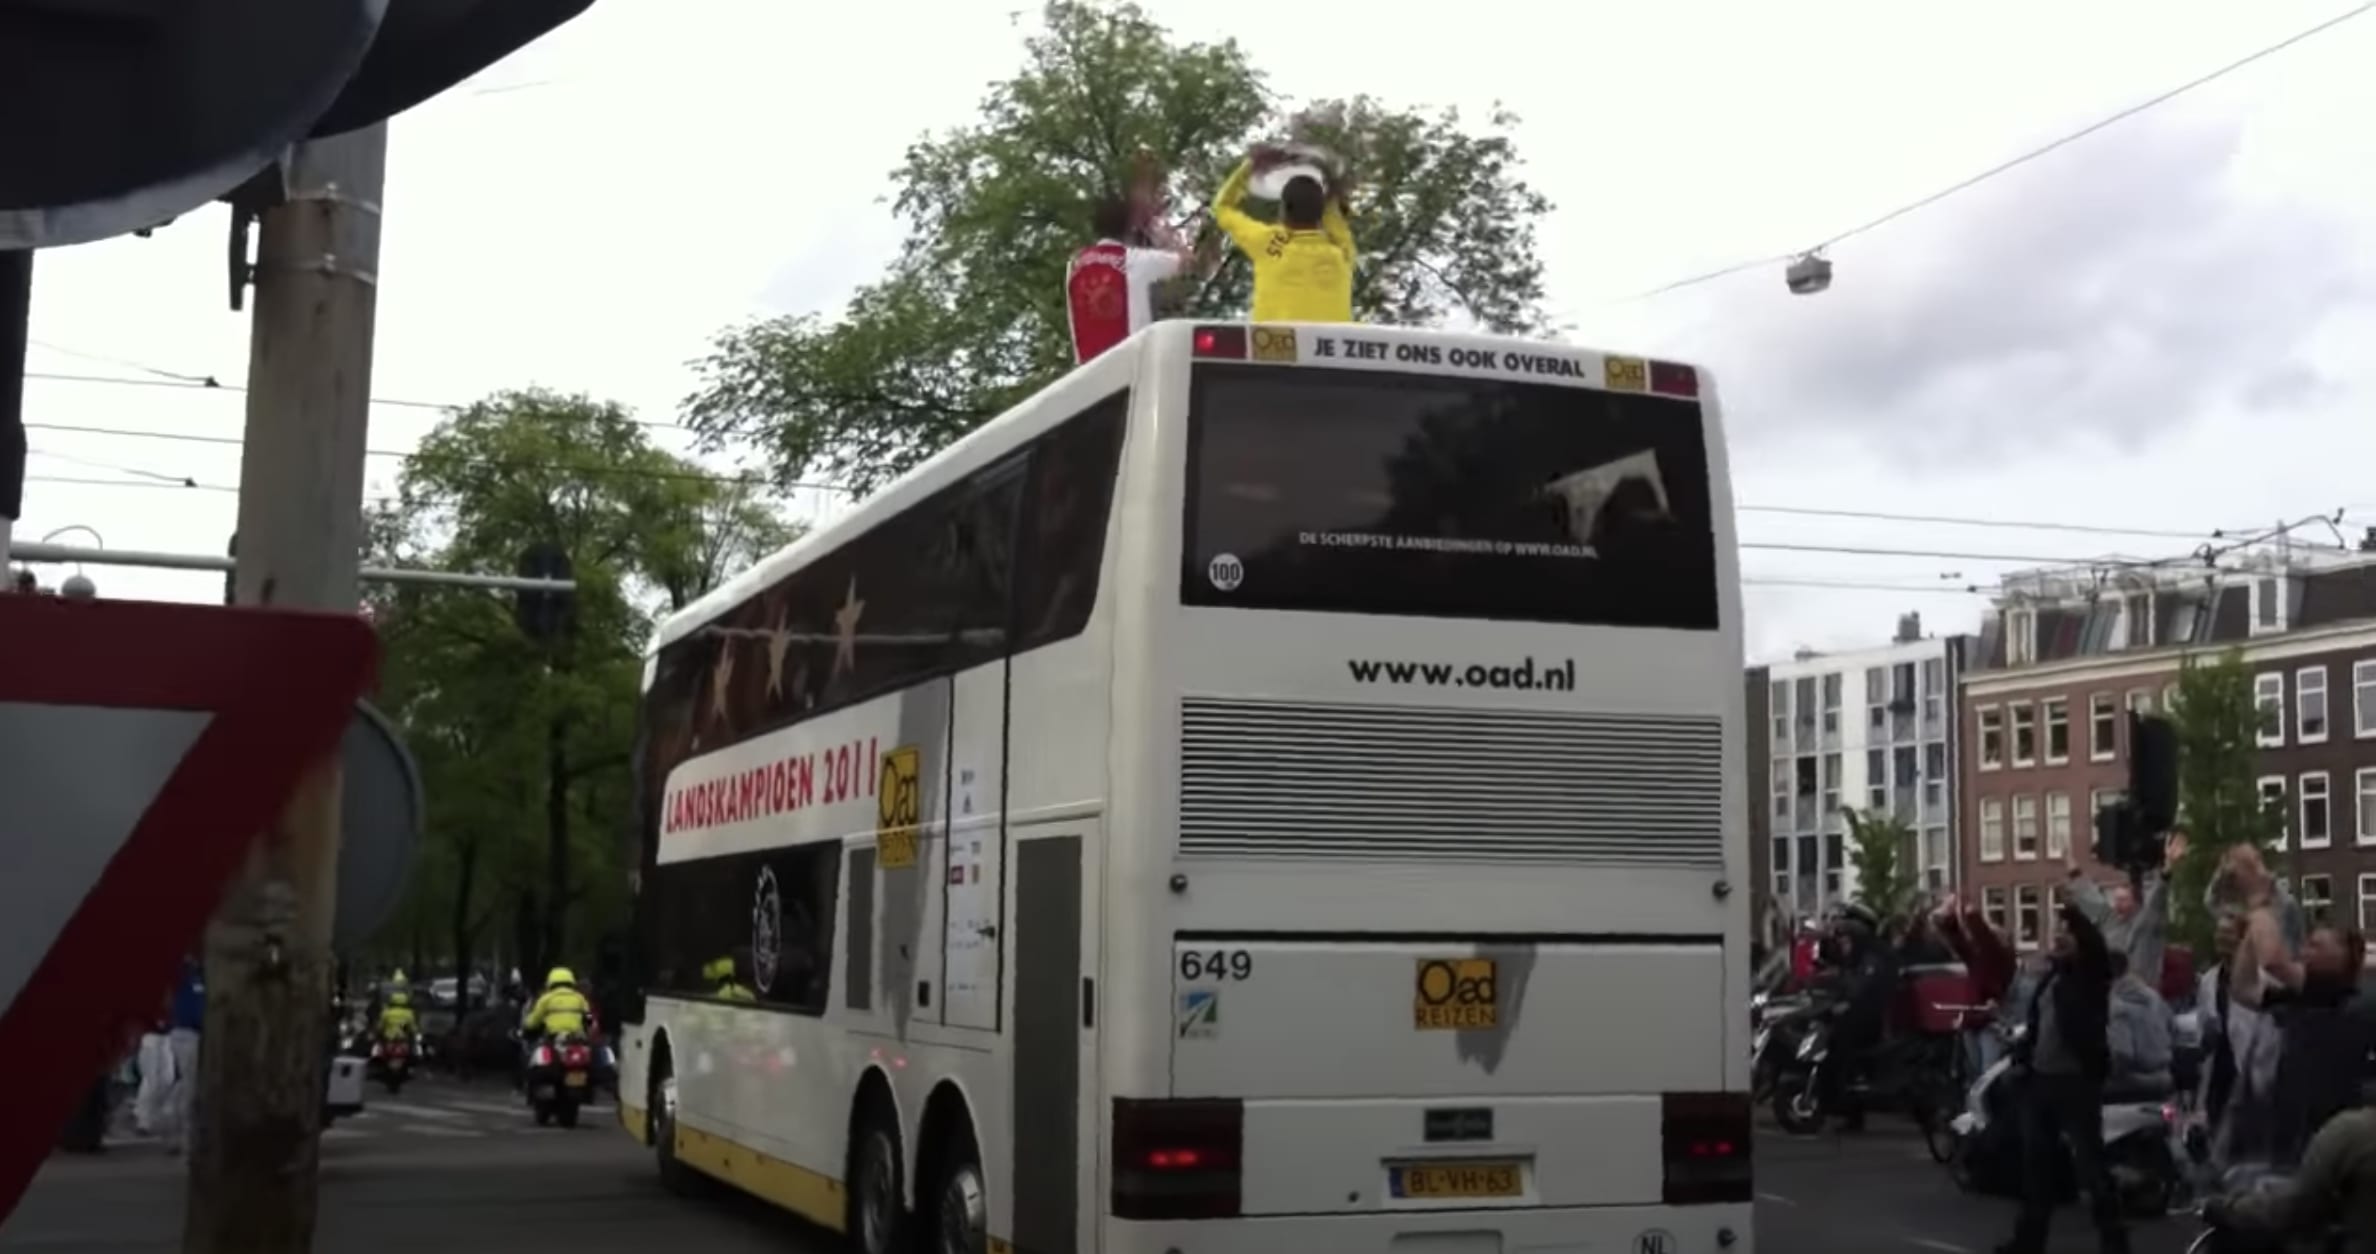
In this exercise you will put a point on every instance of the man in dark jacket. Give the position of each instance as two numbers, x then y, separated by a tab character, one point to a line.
2326	1034
2064	1058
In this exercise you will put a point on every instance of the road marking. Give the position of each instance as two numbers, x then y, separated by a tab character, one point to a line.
434	1130
410	1110
343	1134
1944	1247
1775	1198
486	1108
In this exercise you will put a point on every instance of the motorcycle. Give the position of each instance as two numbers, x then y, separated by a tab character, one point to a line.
2143	1146
1777	1025
560	1078
392	1061
1913	1072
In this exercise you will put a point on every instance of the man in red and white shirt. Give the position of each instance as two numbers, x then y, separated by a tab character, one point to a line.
1109	290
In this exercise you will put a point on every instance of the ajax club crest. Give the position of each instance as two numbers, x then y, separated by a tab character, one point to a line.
767	930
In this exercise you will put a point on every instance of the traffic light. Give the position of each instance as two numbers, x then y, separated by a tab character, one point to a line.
2153	770
545	616
2131	833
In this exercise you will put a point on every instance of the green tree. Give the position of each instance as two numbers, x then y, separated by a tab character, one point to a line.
970	317
2220	803
524	743
1881	850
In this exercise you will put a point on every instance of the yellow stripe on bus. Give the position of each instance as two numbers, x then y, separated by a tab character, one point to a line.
634	1120
811	1195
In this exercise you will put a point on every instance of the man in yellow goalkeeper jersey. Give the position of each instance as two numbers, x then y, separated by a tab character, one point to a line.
1303	263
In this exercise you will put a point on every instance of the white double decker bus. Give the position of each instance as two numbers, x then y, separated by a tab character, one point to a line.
1277	790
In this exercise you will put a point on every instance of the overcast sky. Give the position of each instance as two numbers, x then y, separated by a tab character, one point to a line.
2162	327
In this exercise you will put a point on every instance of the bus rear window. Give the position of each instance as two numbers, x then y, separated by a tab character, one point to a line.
1407	494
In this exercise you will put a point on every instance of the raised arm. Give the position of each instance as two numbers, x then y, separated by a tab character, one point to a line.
1335	223
1229	210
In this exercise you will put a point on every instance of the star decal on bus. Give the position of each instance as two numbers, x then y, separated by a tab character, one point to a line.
779	641
845	628
722	679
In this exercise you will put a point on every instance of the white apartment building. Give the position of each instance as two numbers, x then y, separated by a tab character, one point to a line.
1873	729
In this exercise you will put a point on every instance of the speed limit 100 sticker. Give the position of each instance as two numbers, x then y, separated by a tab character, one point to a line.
1226	571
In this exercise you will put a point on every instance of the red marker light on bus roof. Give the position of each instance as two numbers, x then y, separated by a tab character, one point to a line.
1224	342
1669	379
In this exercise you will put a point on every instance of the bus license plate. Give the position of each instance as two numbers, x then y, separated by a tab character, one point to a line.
1447	1181
575	1079
1455	994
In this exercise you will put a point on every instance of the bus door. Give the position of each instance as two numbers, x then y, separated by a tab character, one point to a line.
973	874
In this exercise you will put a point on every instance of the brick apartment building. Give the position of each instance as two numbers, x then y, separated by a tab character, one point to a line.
2065	654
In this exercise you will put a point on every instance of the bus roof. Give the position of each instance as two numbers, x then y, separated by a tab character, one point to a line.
1116	369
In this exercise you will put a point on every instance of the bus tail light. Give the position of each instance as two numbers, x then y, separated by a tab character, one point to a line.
1177	1159
1225	342
1705	1147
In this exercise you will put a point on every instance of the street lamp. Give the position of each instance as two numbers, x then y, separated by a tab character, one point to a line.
78	586
1808	274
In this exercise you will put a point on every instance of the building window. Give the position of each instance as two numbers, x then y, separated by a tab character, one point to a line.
2317	829
1992	737
2310	705
2058	730
1877	697
1992	830
1831	783
2137	617
2025	734
1934	691
1934	857
2140	700
2058	824
2268	695
2103	728
2272	793
1876	779
2363	698
2318	899
2028	918
2025	828
2021	637
1779	699
2364	784
1992	906
1831	704
1781	773
2367	901
2268	605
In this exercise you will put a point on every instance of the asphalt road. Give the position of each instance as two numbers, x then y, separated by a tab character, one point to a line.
447	1169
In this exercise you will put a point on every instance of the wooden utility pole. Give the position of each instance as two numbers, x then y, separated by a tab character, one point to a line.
262	1054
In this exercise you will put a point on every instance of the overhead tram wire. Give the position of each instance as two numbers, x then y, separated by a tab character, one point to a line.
2014	163
1942	520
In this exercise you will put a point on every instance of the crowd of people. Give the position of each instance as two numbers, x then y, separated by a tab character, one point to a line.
2272	1079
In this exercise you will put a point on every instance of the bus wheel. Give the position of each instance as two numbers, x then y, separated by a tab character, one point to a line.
675	1176
878	1212
960	1216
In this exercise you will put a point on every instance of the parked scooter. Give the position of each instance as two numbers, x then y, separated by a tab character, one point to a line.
2143	1146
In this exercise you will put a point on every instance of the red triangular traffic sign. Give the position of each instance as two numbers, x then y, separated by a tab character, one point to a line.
141	746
